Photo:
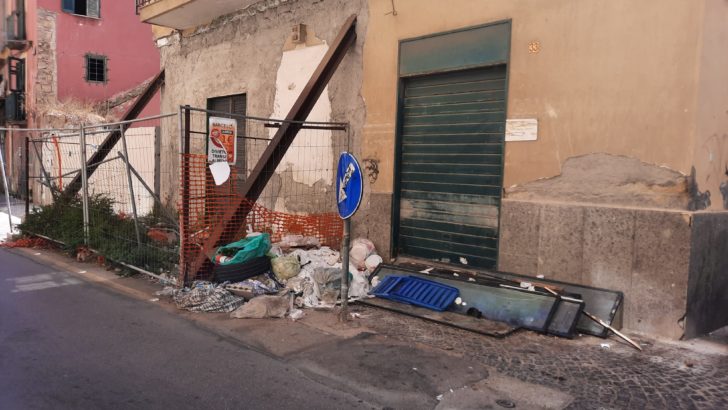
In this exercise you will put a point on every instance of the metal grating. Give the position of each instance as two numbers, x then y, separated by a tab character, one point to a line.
452	138
416	291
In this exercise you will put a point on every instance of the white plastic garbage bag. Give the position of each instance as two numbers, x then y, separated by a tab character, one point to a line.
361	249
295	314
372	262
359	286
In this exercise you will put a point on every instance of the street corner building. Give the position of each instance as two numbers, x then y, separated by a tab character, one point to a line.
65	63
585	141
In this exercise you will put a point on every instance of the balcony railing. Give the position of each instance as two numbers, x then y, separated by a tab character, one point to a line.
186	14
15	107
143	3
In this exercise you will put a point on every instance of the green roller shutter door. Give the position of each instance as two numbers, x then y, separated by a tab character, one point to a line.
452	135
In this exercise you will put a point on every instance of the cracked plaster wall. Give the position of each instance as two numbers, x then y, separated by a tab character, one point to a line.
242	53
711	135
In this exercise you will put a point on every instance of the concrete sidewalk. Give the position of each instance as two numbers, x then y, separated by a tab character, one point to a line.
5	230
17	211
17	206
403	362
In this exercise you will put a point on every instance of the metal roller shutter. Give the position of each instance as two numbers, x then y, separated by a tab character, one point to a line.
452	135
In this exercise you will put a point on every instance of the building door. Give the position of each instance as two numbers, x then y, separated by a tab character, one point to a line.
451	136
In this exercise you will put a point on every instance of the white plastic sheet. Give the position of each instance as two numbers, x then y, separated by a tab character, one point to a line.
220	172
5	226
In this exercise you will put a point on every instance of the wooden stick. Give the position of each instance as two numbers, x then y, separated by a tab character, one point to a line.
616	332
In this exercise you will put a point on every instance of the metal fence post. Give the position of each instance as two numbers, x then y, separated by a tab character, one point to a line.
184	194
157	164
132	198
26	157
5	183
84	188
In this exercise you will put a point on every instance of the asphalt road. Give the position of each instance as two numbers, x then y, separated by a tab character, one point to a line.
69	344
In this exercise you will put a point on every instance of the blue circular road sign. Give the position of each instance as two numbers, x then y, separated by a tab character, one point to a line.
349	185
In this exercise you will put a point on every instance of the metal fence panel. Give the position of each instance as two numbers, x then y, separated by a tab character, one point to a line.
118	211
127	220
298	199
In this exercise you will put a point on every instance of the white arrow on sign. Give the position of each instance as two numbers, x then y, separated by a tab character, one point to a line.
345	182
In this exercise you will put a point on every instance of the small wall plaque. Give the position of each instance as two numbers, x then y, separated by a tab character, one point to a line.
522	129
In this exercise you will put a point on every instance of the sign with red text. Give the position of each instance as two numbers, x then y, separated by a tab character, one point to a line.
222	141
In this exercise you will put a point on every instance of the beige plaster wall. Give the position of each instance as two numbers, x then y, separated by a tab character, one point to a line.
159	31
711	142
617	77
160	7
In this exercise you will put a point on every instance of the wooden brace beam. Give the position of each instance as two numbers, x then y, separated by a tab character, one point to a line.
234	218
106	146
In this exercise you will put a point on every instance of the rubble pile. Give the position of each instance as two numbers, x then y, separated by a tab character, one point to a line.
254	278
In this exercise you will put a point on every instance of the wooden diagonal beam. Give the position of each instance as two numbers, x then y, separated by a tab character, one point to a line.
105	148
234	218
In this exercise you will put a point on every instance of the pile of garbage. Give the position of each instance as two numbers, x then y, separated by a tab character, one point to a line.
254	278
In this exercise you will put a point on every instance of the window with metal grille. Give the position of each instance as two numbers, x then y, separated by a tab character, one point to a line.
88	8
16	74
95	68
233	104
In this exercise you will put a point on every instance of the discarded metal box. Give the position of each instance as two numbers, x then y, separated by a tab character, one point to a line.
517	307
567	316
603	303
419	292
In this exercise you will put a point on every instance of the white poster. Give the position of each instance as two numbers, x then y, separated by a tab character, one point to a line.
522	130
222	142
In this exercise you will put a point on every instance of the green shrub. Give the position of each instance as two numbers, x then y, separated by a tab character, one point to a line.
110	233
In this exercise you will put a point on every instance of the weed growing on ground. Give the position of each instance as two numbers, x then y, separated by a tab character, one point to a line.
112	234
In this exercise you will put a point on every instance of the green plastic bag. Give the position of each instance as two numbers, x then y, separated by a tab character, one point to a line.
243	250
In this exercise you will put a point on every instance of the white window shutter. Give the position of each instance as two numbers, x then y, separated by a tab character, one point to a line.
93	8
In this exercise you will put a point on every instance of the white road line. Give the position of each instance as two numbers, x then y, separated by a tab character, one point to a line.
42	281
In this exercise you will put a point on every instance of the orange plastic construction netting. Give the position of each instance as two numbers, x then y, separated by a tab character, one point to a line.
206	205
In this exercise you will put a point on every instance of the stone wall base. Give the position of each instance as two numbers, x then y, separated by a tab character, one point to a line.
671	265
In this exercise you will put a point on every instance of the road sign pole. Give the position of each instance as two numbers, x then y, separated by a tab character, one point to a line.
345	270
349	192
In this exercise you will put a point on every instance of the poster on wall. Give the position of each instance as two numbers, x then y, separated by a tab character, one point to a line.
222	142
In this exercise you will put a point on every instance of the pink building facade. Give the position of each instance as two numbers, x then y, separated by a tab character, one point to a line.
61	39
68	56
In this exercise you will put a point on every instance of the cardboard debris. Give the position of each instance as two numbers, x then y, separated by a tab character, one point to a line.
260	307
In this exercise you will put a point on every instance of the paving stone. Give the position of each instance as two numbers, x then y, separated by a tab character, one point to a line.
597	378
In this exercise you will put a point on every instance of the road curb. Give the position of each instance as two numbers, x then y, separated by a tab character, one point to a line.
245	333
85	270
